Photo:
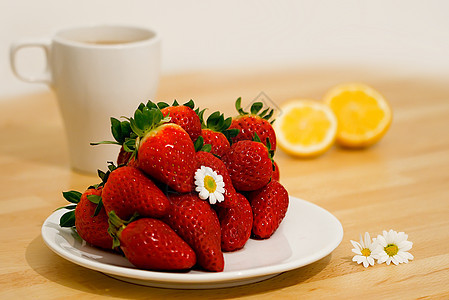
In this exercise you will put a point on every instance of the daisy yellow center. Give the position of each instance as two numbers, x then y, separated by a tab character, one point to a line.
391	249
210	184
366	252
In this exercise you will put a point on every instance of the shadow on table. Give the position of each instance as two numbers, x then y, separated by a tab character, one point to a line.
54	268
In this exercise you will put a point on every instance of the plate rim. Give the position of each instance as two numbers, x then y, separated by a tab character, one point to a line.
206	277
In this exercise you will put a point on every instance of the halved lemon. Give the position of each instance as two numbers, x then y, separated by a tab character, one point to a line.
305	128
363	114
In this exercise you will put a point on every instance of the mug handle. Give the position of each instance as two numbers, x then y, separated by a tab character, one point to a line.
45	77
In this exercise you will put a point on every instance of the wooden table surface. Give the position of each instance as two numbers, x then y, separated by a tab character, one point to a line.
402	183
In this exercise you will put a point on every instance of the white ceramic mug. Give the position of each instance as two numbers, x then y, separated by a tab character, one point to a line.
97	72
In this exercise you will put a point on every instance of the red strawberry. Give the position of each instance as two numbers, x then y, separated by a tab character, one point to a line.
236	224
184	116
128	191
123	157
217	140
249	165
164	151
197	223
250	123
209	160
166	154
216	132
151	244
269	205
276	175
92	226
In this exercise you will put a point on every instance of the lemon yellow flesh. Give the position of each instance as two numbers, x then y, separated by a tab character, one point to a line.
357	113
305	126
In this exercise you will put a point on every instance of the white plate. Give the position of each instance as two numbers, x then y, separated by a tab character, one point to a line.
307	234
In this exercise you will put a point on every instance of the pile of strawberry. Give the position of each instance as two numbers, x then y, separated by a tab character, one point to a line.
152	207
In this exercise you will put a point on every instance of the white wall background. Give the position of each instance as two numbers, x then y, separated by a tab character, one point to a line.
203	34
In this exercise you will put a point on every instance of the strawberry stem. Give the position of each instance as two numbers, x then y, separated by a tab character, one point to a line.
116	226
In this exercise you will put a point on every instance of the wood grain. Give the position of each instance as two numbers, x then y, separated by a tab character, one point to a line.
401	183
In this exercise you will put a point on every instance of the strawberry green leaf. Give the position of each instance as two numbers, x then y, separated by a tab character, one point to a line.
198	143
175	103
268	143
190	104
141	106
95	199
116	130
263	113
266	113
256	137
200	146
67	219
158	116
145	119
104	143
238	106
151	105
227	123
111	166
140	118
94	186
98	208
212	120
121	130
256	107
231	133
162	105
270	114
101	174
72	196
206	148
220	122
69	207
129	145
200	115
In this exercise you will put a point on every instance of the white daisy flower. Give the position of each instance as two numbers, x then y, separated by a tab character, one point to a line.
209	185
394	247
366	251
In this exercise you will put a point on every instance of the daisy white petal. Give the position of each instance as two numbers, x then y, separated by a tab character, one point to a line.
199	183
221	190
381	241
408	255
405	245
394	247
356	245
212	199
359	259
204	194
366	251
209	184
219	196
367	240
356	251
